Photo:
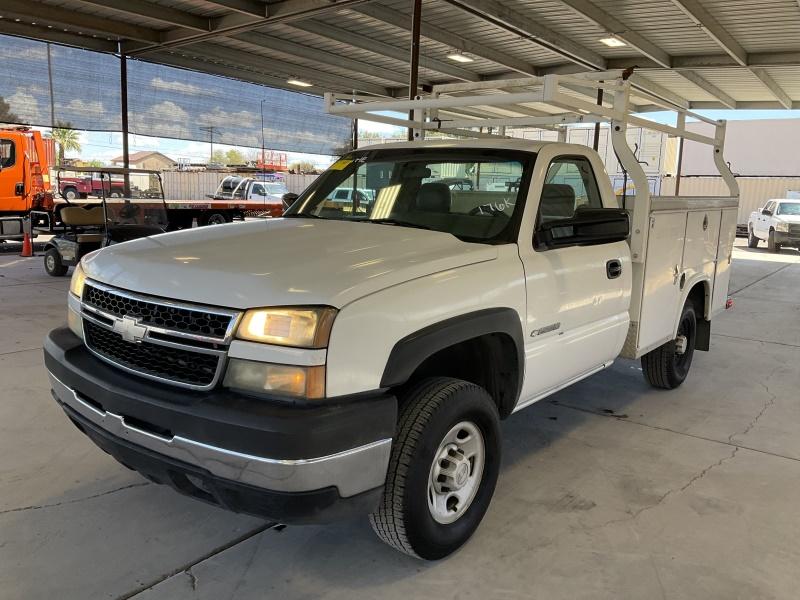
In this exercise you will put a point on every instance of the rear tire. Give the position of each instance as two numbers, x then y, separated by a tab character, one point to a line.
771	244
752	240
666	367
53	265
443	468
215	218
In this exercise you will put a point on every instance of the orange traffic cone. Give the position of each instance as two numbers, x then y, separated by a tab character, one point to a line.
27	246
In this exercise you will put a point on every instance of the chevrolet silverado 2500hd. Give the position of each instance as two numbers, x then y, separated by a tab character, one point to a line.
359	359
777	222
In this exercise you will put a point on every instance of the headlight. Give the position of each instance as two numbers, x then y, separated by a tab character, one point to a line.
781	226
288	380
77	281
298	327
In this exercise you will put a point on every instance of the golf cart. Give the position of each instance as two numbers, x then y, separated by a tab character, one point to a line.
80	228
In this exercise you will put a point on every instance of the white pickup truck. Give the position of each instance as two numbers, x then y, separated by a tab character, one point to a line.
339	361
777	222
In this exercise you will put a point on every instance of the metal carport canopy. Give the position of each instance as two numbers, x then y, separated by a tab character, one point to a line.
700	55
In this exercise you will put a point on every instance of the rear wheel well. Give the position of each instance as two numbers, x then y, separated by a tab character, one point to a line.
700	297
490	361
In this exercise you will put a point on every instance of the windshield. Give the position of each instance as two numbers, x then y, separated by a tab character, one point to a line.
276	189
789	208
473	194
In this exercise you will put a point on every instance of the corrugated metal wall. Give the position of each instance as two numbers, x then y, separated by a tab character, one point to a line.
754	191
181	185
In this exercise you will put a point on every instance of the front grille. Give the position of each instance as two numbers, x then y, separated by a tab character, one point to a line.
177	318
794	228
154	360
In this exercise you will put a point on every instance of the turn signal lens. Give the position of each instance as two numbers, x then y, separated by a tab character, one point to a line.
77	281
298	327
288	380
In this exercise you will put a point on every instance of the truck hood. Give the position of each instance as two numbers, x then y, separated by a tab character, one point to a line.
280	262
788	218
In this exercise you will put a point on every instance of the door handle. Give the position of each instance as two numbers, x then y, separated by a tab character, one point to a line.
613	268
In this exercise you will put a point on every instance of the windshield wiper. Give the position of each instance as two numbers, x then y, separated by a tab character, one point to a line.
399	223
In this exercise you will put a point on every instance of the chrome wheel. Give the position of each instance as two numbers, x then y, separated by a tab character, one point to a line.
50	262
456	472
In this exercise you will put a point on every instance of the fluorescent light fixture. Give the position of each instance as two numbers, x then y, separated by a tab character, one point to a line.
613	42
461	58
298	82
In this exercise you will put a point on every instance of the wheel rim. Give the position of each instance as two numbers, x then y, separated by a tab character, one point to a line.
456	472
50	262
684	345
71	195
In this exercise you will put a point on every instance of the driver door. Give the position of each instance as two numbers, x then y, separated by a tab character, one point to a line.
577	296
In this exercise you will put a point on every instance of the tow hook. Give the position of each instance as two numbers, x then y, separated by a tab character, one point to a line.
681	342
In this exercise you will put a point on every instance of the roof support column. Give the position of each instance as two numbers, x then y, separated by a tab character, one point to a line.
123	106
416	26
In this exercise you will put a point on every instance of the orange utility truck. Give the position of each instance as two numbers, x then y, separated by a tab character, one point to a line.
25	161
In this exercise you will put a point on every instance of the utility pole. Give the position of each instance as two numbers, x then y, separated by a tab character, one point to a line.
123	97
263	143
210	129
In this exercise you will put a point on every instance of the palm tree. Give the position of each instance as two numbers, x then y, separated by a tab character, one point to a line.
66	138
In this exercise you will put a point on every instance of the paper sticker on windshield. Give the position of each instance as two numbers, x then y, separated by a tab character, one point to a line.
341	164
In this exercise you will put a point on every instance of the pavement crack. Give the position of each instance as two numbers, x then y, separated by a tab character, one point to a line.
767	404
187	568
74	500
760	279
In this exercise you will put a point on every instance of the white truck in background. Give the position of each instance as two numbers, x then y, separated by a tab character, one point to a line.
358	358
777	223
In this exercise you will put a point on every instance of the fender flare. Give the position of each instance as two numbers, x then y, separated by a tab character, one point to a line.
411	351
703	323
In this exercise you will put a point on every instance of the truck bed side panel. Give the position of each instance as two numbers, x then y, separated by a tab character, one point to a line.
724	256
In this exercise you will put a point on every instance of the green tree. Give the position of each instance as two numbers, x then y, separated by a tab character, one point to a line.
230	157
66	139
6	116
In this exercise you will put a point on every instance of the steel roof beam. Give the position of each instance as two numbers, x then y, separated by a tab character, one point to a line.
237	22
754	59
349	38
773	87
618	29
437	34
259	40
521	24
247	7
697	13
57	36
81	22
157	12
244	60
708	87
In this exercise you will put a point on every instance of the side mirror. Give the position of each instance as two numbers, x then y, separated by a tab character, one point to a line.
587	227
19	189
288	199
767	212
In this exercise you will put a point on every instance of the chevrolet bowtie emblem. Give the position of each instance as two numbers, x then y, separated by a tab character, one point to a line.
130	330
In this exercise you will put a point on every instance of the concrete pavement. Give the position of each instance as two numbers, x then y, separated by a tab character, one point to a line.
609	489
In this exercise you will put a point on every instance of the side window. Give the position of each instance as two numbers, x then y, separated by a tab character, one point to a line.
770	206
7	153
258	189
569	185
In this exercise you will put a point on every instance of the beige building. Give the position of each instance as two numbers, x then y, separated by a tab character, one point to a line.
154	161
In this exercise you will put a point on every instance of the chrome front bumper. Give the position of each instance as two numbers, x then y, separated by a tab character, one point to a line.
352	471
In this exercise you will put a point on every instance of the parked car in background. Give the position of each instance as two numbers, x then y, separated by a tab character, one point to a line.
72	188
777	222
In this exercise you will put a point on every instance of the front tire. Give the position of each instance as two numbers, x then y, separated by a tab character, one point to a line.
53	265
752	240
70	193
772	246
443	469
667	366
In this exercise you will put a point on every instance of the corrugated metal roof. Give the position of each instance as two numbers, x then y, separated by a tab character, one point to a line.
501	38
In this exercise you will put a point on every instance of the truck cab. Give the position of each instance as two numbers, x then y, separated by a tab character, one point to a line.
25	159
